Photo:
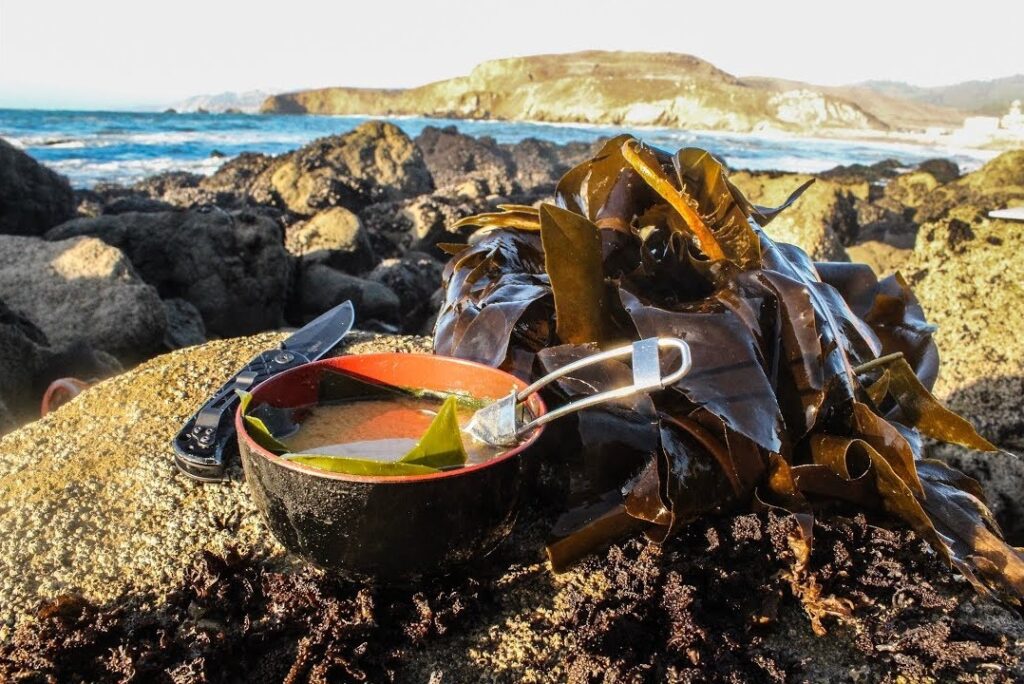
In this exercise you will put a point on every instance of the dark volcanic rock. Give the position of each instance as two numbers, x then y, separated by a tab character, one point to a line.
185	326
539	164
885	221
335	237
910	189
82	290
162	184
943	170
32	197
136	203
375	162
23	350
28	364
863	173
454	158
423	222
528	167
413	278
321	287
238	178
232	266
998	184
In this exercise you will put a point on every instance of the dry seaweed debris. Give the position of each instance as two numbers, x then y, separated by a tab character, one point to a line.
709	605
810	381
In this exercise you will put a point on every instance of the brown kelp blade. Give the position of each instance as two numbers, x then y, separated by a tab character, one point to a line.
956	505
572	253
508	216
727	378
920	409
586	188
643	160
702	177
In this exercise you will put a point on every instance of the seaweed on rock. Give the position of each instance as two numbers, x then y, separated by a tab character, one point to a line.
809	383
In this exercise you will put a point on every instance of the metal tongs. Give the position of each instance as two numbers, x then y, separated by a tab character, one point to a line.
500	423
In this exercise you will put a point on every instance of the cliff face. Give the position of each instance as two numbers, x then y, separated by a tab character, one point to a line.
621	88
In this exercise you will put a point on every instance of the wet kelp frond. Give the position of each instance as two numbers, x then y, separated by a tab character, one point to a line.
810	382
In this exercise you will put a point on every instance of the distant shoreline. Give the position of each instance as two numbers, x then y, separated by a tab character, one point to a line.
917	138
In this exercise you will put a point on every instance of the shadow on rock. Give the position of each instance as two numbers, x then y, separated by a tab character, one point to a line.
993	404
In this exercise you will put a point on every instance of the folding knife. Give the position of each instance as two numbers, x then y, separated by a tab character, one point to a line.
207	440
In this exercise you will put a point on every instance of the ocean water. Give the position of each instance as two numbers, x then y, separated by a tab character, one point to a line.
123	147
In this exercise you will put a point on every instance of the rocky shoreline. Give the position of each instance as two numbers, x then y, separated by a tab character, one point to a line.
94	282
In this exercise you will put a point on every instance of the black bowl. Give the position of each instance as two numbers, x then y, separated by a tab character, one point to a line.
393	529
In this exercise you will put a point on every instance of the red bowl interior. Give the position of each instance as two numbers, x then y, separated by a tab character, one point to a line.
299	387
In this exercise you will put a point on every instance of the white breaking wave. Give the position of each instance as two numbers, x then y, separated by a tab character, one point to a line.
86	173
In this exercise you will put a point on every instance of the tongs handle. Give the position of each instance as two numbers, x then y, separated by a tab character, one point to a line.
646	376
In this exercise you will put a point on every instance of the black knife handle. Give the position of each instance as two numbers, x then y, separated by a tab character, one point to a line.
206	442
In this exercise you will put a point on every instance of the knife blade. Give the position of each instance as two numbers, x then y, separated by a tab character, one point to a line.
206	441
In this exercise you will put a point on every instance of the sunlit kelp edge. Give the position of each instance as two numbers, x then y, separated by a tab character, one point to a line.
810	383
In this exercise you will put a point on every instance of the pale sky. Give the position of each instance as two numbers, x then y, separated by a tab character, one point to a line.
126	53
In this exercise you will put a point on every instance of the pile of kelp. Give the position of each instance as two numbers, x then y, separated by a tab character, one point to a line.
809	386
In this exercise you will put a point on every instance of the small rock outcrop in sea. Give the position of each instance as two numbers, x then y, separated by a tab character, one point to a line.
33	198
82	289
232	266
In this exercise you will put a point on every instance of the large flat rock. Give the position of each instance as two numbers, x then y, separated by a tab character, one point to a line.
90	499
